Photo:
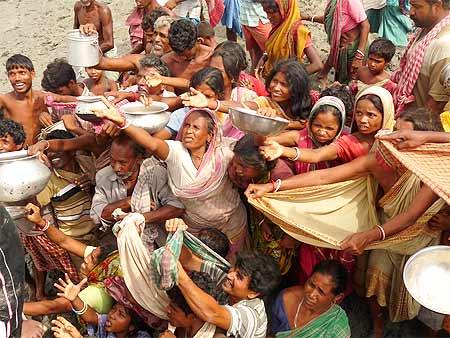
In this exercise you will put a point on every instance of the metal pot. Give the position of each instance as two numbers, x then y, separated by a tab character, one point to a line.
152	119
21	176
250	122
85	104
83	50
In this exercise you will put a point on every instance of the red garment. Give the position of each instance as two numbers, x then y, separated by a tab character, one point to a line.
47	255
135	31
215	11
257	86
305	142
348	148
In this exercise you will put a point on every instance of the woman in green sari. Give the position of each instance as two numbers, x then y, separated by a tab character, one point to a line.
310	311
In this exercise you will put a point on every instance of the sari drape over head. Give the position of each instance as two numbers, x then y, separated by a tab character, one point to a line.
289	39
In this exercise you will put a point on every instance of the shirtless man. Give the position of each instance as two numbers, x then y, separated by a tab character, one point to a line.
98	14
23	104
188	54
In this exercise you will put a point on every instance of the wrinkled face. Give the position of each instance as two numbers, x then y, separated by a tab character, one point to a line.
160	40
207	91
60	159
94	74
423	13
279	88
376	64
236	285
367	117
242	175
318	292
141	81
273	13
189	54
7	144
194	132
21	79
89	263
142	3
124	161
177	317
324	127
401	124
118	320
217	62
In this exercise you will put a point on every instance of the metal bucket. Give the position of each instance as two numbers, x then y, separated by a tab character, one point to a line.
83	50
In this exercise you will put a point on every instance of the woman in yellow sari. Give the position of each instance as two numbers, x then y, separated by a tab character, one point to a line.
289	38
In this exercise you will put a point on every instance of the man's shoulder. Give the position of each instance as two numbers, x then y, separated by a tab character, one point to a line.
103	8
158	168
103	175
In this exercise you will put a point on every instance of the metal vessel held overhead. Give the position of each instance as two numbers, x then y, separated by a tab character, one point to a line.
21	176
152	119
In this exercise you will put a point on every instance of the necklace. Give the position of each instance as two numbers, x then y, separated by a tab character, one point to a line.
297	312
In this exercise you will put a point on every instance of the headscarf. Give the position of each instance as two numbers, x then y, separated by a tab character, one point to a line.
306	138
107	268
386	100
212	169
290	34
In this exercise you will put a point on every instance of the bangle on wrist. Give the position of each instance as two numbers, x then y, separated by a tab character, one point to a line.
47	145
382	232
297	154
277	185
125	124
217	107
82	311
46	225
360	52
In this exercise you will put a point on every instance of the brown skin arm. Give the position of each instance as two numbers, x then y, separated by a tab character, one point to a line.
315	62
364	35
155	146
162	214
122	64
69	244
409	139
76	9
90	316
107	29
317	18
124	204
288	138
46	307
203	305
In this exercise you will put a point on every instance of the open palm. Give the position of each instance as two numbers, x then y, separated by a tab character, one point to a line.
68	289
110	113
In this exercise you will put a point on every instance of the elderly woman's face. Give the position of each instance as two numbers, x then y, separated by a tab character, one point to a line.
318	292
195	132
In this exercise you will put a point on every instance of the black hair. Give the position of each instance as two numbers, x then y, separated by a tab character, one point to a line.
152	61
270	4
57	74
210	76
202	280
216	240
60	135
105	251
233	57
298	83
205	30
422	119
262	270
336	271
248	152
14	129
182	35
148	22
383	48
124	140
343	93
19	61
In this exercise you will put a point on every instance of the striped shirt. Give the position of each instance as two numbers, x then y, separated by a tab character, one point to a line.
248	319
252	13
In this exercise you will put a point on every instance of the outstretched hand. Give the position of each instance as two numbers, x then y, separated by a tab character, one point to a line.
174	224
110	113
68	289
404	139
197	100
63	329
258	190
271	150
356	243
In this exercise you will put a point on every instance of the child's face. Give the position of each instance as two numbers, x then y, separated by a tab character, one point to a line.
7	144
21	79
177	317
118	320
401	124
94	74
324	127
207	91
376	64
367	117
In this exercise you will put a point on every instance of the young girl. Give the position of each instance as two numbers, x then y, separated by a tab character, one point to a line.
120	322
374	110
288	98
325	124
97	83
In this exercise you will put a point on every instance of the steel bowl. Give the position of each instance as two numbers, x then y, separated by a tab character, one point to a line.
250	122
427	277
85	104
152	119
56	126
21	176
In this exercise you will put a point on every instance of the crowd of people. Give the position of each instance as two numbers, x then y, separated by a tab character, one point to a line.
201	230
